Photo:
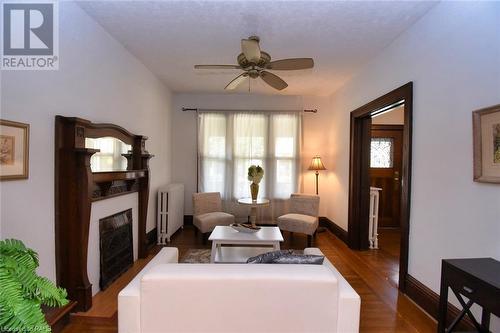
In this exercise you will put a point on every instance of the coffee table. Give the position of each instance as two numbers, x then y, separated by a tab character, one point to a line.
242	245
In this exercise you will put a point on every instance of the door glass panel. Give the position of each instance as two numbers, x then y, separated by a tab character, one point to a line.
382	153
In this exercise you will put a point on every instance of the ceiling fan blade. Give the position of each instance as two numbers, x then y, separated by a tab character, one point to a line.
251	49
273	80
217	67
236	81
291	64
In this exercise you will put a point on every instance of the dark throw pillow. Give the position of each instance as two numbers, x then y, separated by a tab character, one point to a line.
309	259
268	257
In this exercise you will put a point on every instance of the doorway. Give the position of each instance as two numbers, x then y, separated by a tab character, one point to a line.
380	158
386	154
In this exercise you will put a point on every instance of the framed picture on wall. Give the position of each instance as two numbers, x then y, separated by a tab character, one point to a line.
486	131
14	150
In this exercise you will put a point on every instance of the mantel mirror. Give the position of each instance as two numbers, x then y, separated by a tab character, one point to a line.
110	157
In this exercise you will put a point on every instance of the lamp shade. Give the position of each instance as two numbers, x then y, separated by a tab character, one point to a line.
316	164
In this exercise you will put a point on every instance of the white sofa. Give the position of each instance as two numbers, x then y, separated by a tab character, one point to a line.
168	297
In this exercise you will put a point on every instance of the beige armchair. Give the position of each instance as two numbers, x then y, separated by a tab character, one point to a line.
208	212
303	216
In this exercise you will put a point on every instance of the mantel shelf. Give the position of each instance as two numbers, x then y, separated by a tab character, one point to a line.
109	176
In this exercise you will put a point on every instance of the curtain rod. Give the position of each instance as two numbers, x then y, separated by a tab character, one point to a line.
247	110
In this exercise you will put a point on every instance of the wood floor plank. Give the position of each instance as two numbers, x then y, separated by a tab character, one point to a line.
370	273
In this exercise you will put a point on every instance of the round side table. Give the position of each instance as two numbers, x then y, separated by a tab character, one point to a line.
254	204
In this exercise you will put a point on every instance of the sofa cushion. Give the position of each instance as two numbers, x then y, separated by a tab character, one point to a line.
208	221
298	223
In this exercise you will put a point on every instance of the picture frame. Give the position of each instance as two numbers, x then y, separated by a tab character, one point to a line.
486	144
14	150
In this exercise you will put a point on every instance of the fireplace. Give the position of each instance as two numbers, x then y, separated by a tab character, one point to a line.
116	246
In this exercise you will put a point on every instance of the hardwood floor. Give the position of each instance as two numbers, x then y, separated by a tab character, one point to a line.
389	240
383	307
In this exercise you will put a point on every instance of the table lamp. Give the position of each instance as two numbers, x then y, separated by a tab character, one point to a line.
316	165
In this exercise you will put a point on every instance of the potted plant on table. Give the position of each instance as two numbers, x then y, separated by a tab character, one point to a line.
255	175
22	291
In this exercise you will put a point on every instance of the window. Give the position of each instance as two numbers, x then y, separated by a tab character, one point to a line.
381	152
228	143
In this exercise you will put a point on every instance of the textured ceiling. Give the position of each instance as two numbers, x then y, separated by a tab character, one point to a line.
169	37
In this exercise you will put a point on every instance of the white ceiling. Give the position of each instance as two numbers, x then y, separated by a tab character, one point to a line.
169	37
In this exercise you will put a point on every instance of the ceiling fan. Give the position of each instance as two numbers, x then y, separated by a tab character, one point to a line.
256	63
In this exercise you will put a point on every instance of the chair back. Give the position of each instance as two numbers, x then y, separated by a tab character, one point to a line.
305	204
208	202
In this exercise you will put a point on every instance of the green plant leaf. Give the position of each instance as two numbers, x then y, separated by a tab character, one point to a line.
23	291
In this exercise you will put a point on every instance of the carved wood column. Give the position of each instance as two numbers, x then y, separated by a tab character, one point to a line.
140	160
73	202
143	206
78	284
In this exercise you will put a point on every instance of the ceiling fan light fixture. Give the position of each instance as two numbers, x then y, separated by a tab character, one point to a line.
251	50
256	63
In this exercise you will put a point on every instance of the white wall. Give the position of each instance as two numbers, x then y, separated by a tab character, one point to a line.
184	130
316	141
98	80
452	55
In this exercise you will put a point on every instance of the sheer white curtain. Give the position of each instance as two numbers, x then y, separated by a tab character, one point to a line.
229	142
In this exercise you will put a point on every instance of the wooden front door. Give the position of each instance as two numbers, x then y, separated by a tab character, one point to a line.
385	171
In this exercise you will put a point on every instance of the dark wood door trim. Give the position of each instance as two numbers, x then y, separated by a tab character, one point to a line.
380	127
359	184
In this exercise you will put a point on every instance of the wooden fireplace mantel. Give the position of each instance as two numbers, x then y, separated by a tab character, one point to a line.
76	187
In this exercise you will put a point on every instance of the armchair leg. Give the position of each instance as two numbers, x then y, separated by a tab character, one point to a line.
309	240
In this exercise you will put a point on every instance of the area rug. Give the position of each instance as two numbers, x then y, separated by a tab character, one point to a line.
196	256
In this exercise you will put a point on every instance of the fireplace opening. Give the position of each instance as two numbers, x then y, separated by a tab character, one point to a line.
116	246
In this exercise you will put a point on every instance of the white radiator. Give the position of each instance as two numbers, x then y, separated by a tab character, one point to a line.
170	211
373	225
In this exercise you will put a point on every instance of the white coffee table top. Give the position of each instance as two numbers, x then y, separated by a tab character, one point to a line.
264	235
